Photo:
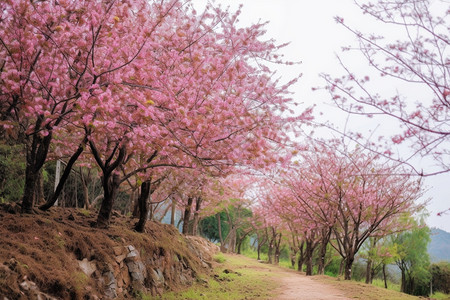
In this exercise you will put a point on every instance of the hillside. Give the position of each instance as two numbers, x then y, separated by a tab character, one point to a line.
58	255
439	247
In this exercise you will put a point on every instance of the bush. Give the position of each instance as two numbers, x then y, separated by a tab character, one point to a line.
440	274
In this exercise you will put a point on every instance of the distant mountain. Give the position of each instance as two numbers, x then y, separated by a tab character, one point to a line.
439	248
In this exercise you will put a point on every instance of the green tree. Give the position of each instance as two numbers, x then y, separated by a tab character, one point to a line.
209	227
413	260
440	273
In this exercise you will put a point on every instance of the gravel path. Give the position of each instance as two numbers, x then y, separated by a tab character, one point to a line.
299	286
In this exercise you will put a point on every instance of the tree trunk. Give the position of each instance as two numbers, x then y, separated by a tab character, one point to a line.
151	211
196	219
369	271
301	257
143	206
384	276
277	249
51	201
39	188
308	257
326	234
403	282
110	187
341	267
187	215
36	154
240	241
322	253
173	212
28	193
260	244
271	246
348	266
219	228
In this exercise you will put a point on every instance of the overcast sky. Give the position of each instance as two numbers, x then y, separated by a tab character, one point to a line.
315	39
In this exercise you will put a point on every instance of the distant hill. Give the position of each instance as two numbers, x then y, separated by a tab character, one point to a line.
439	248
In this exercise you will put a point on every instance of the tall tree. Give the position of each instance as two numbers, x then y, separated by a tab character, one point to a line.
413	260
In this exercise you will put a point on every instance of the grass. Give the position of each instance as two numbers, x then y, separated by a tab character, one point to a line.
250	279
220	258
391	285
244	280
440	295
359	290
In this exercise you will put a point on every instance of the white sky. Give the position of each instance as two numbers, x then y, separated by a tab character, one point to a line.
315	39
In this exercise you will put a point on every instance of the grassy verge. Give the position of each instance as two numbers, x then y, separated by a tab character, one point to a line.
237	277
359	290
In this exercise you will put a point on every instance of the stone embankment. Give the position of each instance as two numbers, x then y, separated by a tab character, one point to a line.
53	257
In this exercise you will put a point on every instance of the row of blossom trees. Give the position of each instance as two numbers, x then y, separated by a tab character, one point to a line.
135	87
339	198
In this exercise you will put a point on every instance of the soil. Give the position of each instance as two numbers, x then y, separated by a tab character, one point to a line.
42	250
298	286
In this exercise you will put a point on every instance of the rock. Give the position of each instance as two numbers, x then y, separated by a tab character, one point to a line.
157	277
118	250
119	259
137	271
28	285
133	254
125	277
87	267
110	283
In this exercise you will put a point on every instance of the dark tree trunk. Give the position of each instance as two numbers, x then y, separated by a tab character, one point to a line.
348	266
110	181
110	187
36	154
326	234
301	257
196	219
143	206
51	201
39	192
384	276
260	244
240	241
277	249
369	271
403	282
187	215
271	246
308	257
28	193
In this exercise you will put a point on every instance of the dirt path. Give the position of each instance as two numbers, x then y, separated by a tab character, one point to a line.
299	286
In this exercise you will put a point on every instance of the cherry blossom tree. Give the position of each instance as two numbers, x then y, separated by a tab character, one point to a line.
55	56
368	197
151	85
416	58
334	195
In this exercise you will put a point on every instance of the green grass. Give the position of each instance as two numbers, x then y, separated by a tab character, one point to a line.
219	258
246	281
440	295
391	286
286	263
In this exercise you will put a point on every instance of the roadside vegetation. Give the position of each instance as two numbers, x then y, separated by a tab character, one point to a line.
250	279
